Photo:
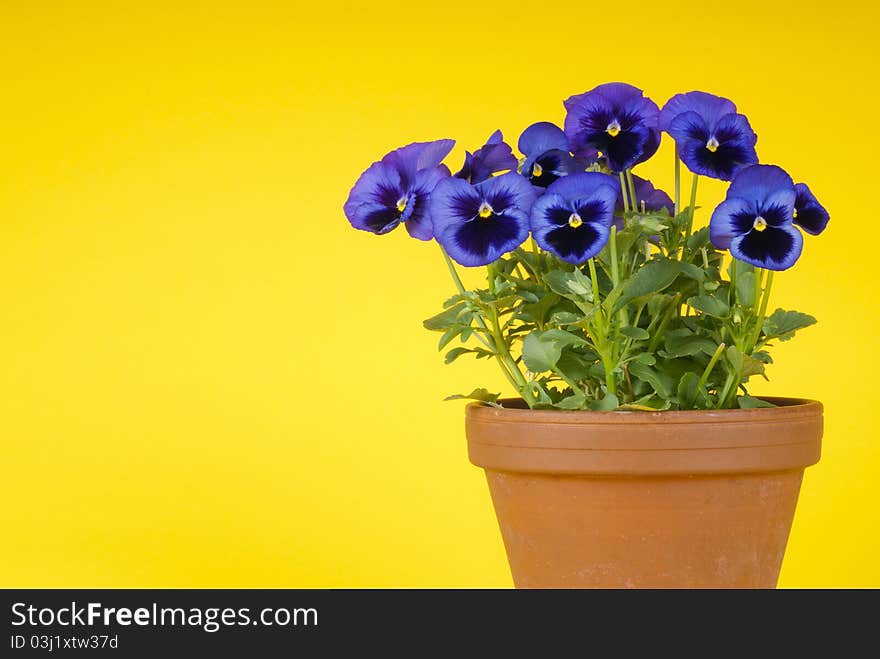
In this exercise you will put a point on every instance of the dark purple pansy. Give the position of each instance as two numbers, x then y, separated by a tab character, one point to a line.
396	189
809	214
755	222
648	196
547	158
493	157
573	218
477	224
614	121
712	139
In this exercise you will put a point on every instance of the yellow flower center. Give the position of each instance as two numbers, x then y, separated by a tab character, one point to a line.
613	128
712	144
794	213
537	170
760	223
401	204
485	210
574	220
599	154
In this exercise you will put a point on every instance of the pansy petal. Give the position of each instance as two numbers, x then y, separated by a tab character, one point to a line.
730	219
757	182
474	240
416	218
379	187
540	138
811	215
510	195
575	245
778	208
495	137
708	106
652	198
774	248
615	119
584	184
411	158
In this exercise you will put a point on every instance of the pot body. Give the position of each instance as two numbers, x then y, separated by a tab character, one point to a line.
701	499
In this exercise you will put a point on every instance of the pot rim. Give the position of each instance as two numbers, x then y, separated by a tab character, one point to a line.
787	409
695	442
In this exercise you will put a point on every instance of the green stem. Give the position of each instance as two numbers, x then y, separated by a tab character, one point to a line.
714	360
725	391
667	316
677	183
575	387
731	294
692	209
600	340
633	202
502	354
623	193
762	312
612	246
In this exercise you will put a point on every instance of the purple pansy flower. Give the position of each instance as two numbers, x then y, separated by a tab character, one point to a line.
652	198
614	121
547	157
756	221
809	214
477	224
493	157
712	139
396	189
573	218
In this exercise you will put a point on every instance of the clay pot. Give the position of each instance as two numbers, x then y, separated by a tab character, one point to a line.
700	499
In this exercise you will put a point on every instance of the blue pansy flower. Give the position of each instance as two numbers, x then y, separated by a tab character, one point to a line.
712	138
573	218
756	221
477	224
614	121
547	157
809	214
396	189
493	157
647	196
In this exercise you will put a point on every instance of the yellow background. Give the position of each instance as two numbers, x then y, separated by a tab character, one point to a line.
208	379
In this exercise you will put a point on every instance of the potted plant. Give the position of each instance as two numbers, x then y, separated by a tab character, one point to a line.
634	455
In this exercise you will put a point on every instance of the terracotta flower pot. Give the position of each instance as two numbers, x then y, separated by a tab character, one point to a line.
700	499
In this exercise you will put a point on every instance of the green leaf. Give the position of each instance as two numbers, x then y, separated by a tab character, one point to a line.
689	394
679	345
455	353
692	271
570	284
573	402
709	305
745	365
563	337
538	311
659	381
607	404
540	355
646	358
636	333
699	238
541	350
748	403
450	334
565	318
481	394
652	277
745	288
575	365
783	324
444	319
